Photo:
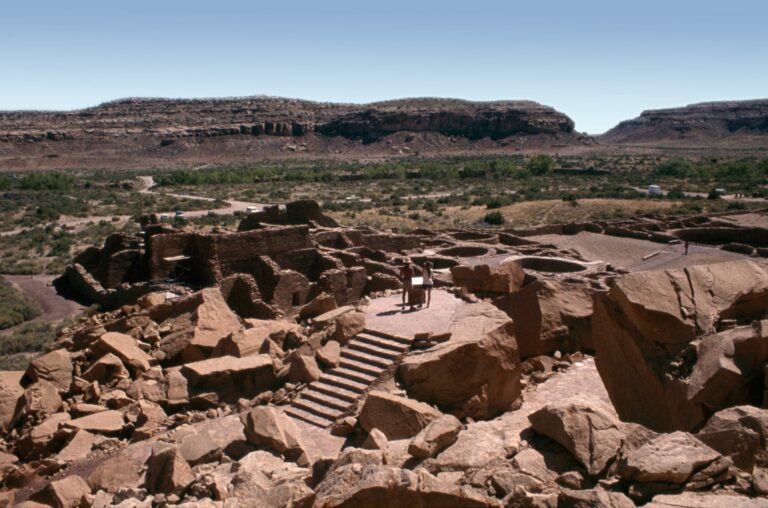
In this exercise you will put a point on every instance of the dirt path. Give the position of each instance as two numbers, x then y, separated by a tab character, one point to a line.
148	183
55	307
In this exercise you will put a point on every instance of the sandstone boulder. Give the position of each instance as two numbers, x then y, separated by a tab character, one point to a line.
167	471
435	437
42	438
281	332
232	376
483	349
79	447
199	321
375	486
587	429
69	492
320	304
329	355
376	440
670	458
303	369
55	367
106	369
124	347
38	400
396	417
105	422
740	433
550	316
10	392
505	278
645	329
267	426
348	325
119	472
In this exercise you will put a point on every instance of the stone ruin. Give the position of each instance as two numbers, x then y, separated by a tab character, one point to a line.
272	366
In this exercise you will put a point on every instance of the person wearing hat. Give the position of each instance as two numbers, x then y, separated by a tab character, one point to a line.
406	273
426	274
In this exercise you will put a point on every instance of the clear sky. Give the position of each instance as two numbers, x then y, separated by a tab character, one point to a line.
597	61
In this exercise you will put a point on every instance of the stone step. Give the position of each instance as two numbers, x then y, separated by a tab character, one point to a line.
300	414
372	349
365	368
327	400
344	382
384	335
336	391
355	375
380	342
316	408
373	360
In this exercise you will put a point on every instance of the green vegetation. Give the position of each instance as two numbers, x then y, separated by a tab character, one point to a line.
15	308
494	219
540	164
20	347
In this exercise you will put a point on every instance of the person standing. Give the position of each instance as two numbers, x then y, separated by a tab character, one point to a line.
426	274
406	273
686	247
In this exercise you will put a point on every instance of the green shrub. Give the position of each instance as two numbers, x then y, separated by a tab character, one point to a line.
540	164
494	218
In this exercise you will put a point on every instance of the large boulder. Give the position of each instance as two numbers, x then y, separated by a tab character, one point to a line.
267	426
10	392
69	492
199	321
250	341
505	278
124	347
55	367
659	352
740	433
232	377
550	316
105	422
395	416
38	400
482	352
588	429
435	437
378	486
671	459
167	471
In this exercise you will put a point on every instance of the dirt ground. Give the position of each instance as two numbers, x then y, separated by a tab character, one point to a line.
55	307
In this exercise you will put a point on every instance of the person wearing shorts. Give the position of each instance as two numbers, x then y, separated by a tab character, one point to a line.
426	274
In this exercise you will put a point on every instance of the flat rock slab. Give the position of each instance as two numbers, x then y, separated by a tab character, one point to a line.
388	316
106	422
215	368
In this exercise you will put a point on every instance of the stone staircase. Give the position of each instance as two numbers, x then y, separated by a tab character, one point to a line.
363	360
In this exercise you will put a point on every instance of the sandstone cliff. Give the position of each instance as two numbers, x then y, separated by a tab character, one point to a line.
257	116
731	121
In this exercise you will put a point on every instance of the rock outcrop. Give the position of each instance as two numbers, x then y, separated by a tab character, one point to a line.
709	121
483	348
659	351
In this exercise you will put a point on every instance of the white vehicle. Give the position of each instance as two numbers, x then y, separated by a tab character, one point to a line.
164	217
654	191
250	210
720	192
179	214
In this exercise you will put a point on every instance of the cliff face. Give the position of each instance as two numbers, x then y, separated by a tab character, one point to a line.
472	120
709	121
264	116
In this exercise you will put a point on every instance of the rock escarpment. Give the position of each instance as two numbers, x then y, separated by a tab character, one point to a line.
271	116
709	120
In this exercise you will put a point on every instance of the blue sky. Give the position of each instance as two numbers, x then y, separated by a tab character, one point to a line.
597	61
